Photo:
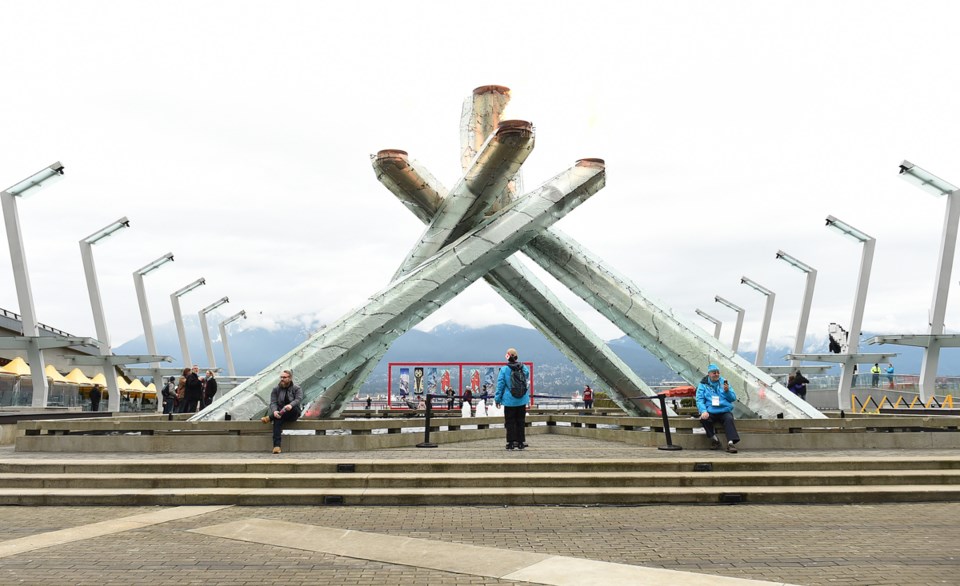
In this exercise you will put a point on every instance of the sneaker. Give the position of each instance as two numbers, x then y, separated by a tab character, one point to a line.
265	419
511	446
731	448
714	442
276	449
521	445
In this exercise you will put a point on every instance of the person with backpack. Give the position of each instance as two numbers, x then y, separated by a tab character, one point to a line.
169	394
514	394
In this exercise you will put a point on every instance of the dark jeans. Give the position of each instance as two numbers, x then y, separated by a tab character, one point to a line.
514	420
292	415
189	405
588	404
729	429
168	406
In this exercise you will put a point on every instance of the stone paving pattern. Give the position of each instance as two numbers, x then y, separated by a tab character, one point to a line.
903	544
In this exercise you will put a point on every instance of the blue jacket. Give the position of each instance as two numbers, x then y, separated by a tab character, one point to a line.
707	389
504	396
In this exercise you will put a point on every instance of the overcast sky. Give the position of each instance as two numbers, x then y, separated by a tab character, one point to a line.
237	135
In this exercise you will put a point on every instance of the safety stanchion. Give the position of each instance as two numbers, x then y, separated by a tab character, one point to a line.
426	443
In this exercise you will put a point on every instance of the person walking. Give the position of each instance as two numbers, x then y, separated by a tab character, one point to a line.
715	399
286	401
209	388
95	394
513	393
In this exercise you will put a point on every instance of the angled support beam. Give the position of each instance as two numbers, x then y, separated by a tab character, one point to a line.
684	348
329	355
117	359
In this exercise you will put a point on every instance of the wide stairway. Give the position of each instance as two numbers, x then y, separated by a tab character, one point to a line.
706	478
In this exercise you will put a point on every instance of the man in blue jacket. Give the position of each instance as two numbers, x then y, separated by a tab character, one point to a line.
715	401
514	394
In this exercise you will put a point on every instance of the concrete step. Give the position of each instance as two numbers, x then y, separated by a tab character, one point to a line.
480	496
718	461
492	481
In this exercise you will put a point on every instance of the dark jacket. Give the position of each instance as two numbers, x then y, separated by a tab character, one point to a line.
210	388
193	390
281	397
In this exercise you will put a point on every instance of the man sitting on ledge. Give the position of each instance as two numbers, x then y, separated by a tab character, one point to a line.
285	405
715	401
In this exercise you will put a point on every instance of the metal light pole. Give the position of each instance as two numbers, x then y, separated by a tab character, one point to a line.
96	304
716	323
145	315
21	278
226	345
178	318
807	301
211	361
740	313
767	314
948	245
860	300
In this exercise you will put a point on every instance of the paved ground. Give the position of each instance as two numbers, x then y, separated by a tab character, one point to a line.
902	544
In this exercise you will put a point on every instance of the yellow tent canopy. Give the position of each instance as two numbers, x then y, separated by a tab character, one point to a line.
152	388
78	377
99	379
136	385
53	373
16	366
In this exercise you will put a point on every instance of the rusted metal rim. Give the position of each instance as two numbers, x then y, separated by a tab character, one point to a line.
591	163
508	127
491	89
391	154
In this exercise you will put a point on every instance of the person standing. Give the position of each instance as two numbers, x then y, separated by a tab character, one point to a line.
95	394
193	390
715	401
169	395
587	397
209	388
467	397
286	401
890	374
450	398
513	393
875	375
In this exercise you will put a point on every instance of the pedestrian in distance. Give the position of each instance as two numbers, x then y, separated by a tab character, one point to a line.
209	388
169	395
286	402
715	399
587	397
95	394
800	383
514	394
875	375
890	374
193	390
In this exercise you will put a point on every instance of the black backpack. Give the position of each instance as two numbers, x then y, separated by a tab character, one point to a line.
518	380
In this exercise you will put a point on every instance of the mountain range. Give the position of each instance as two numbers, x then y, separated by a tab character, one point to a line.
254	349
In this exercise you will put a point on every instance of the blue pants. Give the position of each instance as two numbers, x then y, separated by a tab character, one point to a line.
726	419
291	415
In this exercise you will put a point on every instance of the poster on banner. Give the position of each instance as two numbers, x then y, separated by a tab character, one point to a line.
404	382
475	380
445	380
418	380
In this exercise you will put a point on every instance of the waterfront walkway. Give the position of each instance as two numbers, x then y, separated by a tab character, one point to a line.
900	544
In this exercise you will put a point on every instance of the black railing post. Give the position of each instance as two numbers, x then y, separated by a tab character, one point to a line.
666	425
426	443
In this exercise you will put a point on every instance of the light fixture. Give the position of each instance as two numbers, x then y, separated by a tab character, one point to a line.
107	231
847	230
33	183
792	261
155	264
723	301
233	318
925	180
190	287
754	285
215	304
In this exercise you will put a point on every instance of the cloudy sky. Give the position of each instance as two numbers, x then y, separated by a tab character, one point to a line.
237	135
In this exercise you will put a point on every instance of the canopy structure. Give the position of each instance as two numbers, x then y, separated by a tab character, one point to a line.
54	375
16	366
78	377
99	379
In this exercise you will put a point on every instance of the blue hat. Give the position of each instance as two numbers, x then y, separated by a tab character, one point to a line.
713	367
